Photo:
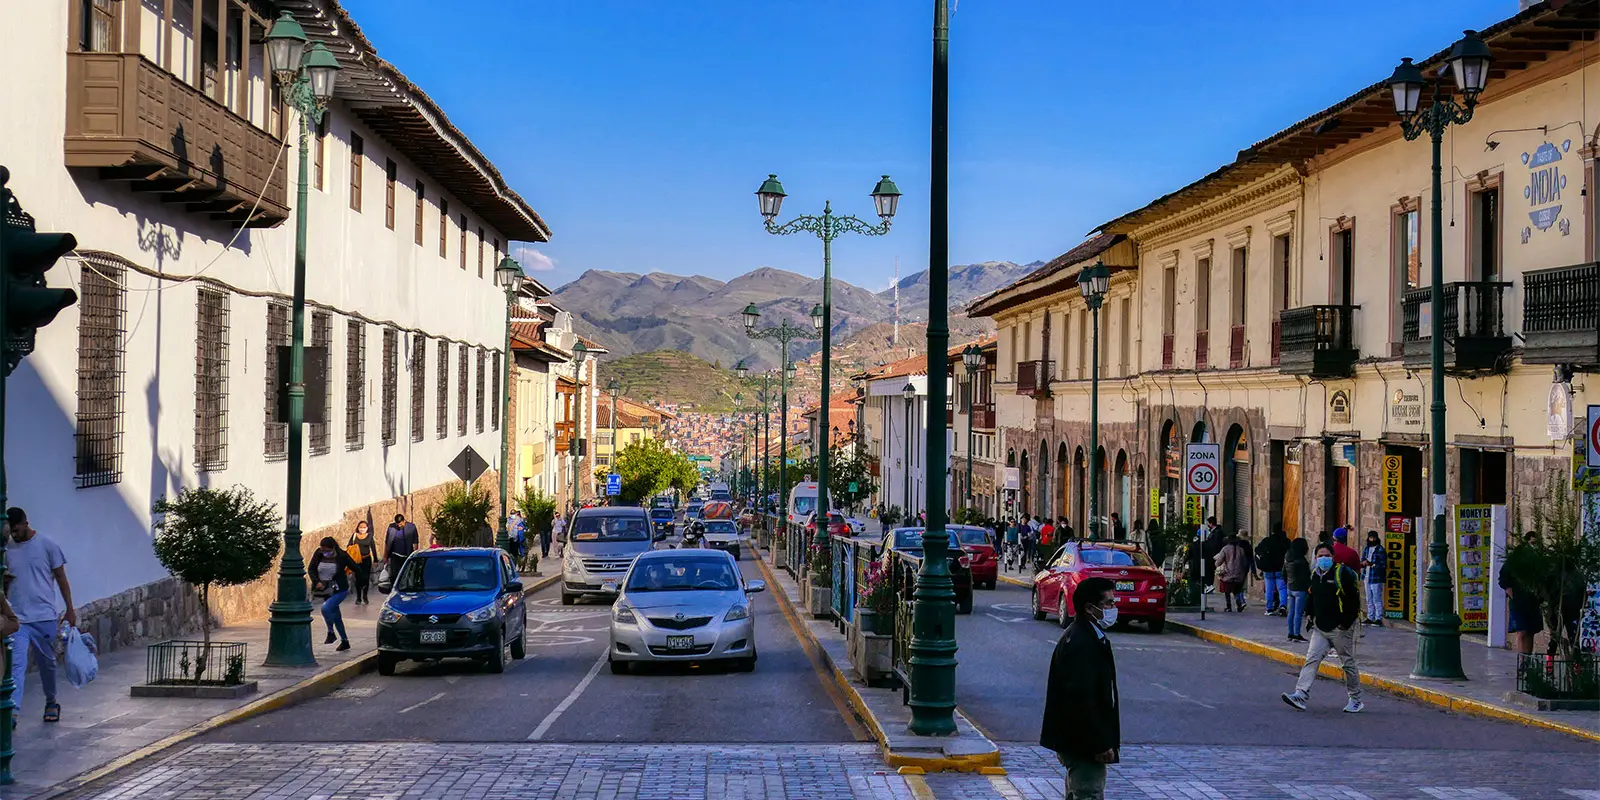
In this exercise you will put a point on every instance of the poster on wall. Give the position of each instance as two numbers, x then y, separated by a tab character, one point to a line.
1194	510
1472	534
1155	503
1397	585
1392	484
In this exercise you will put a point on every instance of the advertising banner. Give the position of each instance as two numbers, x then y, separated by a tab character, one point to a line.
1393	489
1397	577
1194	511
1472	535
1155	503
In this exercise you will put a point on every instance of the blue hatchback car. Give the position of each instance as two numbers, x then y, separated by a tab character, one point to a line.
454	602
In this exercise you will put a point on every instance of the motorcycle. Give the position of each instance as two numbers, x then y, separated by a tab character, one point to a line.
693	538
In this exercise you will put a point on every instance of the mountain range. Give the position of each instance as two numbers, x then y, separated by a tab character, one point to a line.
631	313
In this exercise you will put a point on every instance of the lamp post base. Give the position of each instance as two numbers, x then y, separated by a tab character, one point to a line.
289	639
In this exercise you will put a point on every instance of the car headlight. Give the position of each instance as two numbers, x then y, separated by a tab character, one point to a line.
388	616
484	614
622	613
737	613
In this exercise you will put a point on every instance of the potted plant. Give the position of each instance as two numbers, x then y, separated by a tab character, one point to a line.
1555	562
875	600
209	537
461	516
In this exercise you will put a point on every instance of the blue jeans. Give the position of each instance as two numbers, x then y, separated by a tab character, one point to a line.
331	615
1277	589
35	640
1297	612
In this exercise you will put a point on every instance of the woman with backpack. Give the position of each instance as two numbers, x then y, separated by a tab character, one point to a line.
330	577
363	550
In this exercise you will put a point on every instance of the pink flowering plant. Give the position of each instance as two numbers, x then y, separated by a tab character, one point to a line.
876	593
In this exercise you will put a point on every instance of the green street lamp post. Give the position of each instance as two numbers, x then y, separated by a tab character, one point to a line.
972	359
784	333
909	392
933	614
580	354
509	276
1094	282
765	439
307	77
1438	628
885	198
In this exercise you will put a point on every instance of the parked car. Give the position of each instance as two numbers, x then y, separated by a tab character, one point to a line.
601	546
683	605
978	544
909	540
1141	588
454	602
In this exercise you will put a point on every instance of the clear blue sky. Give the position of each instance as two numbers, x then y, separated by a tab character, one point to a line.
640	129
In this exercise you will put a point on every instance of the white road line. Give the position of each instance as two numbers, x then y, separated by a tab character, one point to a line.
1177	693
550	719
421	704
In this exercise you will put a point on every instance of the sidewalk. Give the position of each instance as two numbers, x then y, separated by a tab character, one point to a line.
102	727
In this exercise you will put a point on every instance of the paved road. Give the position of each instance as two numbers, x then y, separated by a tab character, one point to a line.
1176	689
563	693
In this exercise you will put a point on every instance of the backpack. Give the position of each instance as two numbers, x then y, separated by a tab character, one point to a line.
355	552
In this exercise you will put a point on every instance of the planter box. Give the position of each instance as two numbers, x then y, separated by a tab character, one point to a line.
189	668
819	600
195	691
874	623
780	556
871	656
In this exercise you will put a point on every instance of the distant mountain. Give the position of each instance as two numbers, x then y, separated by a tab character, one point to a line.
673	376
966	282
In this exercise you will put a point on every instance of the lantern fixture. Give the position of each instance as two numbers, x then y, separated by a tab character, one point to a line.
1469	65
886	196
816	317
507	275
286	46
1406	85
770	196
751	316
909	392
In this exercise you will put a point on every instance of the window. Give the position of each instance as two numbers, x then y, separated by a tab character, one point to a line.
1483	249
211	381
442	416
319	155
480	251
1083	345
1202	294
1341	263
419	384
100	27
357	147
355	385
463	247
1282	273
444	228
389	174
478	416
1405	263
462	375
417	231
102	318
322	337
494	400
277	433
1169	300
391	386
1125	315
1238	288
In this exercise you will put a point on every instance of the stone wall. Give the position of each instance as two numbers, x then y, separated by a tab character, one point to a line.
164	609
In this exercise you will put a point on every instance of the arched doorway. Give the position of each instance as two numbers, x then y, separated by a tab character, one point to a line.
1027	484
1042	496
1141	495
1063	481
1171	475
1080	487
1236	481
1098	526
1123	490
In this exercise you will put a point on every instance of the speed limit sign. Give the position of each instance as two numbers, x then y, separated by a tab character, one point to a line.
1202	469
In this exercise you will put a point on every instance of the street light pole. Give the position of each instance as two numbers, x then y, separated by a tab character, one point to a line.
509	275
1094	281
1438	627
971	357
613	388
785	333
580	353
910	394
306	76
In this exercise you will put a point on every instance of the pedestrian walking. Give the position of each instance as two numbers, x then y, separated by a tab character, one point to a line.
1154	542
1343	553
546	534
1335	604
1212	540
1270	554
1232	567
1013	545
330	572
41	596
1297	574
1374	565
1047	535
558	530
399	542
1082	723
1119	531
363	550
1524	622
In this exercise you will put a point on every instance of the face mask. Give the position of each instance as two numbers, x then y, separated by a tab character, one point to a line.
1108	617
1325	563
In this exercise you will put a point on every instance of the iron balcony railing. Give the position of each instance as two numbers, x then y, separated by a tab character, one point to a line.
1317	340
1561	315
1471	309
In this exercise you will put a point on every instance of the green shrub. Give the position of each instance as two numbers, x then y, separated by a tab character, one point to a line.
461	514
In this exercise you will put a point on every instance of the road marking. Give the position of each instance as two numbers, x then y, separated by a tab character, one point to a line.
421	704
1177	693
919	787
572	697
1007	620
1003	786
1464	793
1583	794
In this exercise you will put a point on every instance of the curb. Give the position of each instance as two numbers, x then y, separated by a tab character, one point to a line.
314	685
908	763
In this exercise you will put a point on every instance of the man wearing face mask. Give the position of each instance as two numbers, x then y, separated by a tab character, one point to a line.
1335	604
1081	715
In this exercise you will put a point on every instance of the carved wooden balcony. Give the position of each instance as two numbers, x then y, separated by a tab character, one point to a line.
1317	341
1475	339
1561	315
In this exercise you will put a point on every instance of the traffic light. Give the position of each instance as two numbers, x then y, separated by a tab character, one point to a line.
26	301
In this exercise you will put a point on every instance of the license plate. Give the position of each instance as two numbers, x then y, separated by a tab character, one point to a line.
1124	586
433	637
680	642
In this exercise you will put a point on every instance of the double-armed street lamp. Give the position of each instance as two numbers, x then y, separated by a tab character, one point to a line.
508	274
765	396
1094	282
972	359
784	333
614	388
307	77
1438	628
827	227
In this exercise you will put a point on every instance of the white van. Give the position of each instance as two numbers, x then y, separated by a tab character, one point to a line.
802	501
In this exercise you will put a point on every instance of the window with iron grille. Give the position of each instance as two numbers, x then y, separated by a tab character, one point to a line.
355	384
463	247
419	383
442	416
444	228
391	385
211	381
494	400
479	405
102	318
357	148
462	375
277	433
322	336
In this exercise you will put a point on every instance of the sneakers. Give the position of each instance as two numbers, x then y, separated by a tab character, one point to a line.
1243	605
345	645
1269	613
1283	612
331	638
1297	699
1353	707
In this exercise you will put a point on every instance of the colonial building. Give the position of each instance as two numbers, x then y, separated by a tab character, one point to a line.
634	422
153	132
972	427
896	421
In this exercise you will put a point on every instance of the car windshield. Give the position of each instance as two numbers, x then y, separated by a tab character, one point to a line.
599	528
911	539
805	505
720	526
1102	557
474	573
661	513
684	573
971	535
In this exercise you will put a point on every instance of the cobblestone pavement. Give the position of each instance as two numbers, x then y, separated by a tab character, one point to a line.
406	771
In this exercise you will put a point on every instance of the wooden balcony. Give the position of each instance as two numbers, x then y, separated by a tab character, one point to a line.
983	417
564	436
1033	377
1166	351
1317	341
1202	349
134	122
1561	315
1473	314
1236	347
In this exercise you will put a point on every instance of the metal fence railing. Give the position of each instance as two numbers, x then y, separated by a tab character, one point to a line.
906	566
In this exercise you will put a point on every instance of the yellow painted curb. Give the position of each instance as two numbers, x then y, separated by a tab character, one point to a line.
1421	694
1027	584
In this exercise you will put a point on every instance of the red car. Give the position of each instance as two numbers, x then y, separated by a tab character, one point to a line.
837	526
1141	588
978	544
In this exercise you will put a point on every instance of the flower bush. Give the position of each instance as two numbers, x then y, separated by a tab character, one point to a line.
820	554
876	592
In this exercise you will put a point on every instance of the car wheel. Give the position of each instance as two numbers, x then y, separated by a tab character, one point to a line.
519	645
618	667
1038	610
1158	625
495	663
964	603
1061	612
386	663
567	599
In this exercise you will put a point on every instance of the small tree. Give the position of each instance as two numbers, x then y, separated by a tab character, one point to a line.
538	511
891	515
460	515
215	537
1557	563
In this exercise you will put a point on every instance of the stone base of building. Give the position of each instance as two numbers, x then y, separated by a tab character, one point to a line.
164	609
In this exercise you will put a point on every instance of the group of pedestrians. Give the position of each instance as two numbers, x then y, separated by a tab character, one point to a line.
337	572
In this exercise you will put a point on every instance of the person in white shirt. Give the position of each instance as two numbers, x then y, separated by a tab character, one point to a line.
36	583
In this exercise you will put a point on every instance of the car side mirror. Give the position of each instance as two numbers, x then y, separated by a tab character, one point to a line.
514	587
609	587
754	586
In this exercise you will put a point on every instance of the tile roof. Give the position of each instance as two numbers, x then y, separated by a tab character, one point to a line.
1062	265
915	365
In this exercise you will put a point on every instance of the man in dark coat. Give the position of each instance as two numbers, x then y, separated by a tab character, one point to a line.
1081	716
1212	539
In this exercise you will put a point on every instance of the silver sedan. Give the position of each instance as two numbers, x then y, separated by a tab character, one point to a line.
686	606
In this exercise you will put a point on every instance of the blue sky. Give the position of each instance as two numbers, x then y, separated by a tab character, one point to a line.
640	129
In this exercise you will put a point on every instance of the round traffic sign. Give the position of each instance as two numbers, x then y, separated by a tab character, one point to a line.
1202	478
1594	434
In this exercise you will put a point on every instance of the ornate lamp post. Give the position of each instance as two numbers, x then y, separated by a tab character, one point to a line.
784	333
1094	281
509	276
885	198
580	354
1439	629
307	77
909	392
972	359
